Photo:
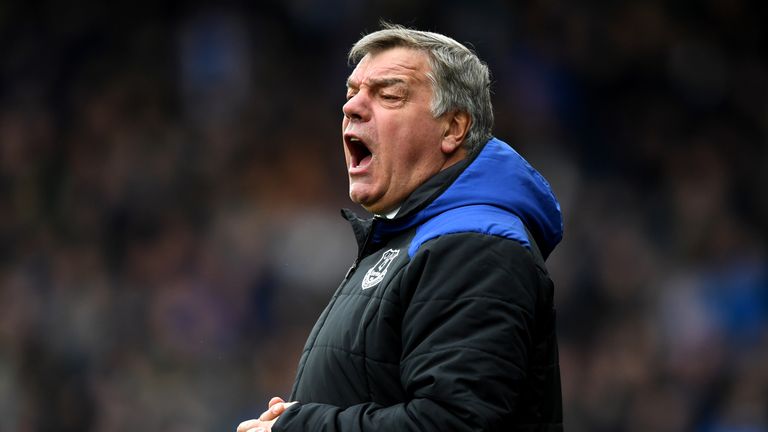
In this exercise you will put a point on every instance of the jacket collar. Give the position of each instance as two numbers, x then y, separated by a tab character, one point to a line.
423	195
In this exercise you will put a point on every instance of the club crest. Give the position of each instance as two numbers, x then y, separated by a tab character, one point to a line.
375	274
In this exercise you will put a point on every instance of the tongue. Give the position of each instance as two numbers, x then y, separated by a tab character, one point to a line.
364	161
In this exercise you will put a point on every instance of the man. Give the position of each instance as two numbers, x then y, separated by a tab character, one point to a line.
445	322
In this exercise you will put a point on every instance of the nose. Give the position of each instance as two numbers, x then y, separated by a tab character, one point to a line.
356	108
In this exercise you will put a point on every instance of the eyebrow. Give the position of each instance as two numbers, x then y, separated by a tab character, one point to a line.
377	82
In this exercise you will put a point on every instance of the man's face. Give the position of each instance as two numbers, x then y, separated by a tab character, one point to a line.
392	143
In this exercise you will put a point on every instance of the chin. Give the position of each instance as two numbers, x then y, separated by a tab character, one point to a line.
376	208
360	196
370	207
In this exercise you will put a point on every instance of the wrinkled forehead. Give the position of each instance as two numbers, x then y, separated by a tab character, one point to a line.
405	63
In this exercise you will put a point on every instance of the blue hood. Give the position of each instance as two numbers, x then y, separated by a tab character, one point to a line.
497	192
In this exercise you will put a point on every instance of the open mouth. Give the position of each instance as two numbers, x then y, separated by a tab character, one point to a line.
359	154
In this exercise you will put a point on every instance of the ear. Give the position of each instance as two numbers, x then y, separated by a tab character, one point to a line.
456	127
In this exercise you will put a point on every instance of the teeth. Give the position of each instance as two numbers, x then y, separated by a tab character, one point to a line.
354	139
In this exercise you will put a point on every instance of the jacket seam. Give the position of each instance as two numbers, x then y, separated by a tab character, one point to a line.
410	357
370	297
365	357
510	302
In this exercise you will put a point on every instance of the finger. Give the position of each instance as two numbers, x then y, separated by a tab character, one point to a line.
267	416
247	425
258	429
275	400
272	413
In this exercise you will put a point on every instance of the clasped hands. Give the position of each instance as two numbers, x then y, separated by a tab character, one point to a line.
265	421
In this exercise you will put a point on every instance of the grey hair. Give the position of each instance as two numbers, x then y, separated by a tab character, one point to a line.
460	80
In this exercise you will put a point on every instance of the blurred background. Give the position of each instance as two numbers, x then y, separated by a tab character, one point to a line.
171	176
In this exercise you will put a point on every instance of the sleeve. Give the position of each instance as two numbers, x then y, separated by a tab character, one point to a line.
466	337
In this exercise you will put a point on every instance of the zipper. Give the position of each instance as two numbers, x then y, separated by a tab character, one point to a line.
362	250
349	272
332	303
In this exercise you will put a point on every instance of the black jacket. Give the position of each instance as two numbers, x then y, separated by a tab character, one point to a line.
446	321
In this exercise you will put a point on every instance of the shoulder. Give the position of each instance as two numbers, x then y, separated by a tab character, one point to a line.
467	265
486	220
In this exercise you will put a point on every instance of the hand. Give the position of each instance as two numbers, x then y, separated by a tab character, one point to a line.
265	421
255	426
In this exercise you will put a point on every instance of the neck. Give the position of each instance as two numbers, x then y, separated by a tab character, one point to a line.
459	155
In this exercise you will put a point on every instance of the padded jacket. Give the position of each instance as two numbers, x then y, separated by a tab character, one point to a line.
446	320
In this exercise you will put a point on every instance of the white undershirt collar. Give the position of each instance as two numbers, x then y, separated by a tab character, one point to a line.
391	214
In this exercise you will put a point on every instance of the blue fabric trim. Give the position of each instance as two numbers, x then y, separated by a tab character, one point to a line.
498	178
502	178
483	219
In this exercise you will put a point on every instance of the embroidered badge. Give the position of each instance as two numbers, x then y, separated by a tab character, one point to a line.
375	274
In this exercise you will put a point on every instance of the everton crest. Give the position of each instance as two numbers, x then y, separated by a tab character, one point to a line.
375	274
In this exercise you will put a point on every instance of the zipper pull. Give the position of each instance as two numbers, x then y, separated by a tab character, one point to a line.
362	249
349	272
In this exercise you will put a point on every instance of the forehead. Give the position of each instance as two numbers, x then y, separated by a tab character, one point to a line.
406	63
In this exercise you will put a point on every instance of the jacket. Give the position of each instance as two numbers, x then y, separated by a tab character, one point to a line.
446	320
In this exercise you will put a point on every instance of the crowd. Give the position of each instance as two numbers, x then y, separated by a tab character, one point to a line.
171	177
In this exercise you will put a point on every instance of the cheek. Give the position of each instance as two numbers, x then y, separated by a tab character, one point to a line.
406	139
423	141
